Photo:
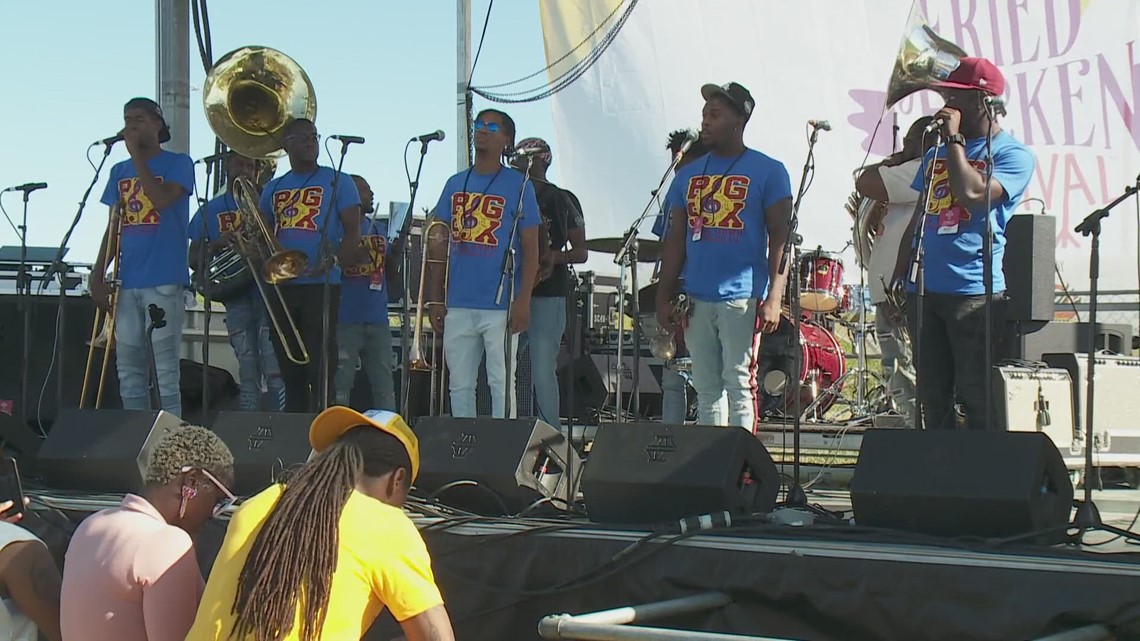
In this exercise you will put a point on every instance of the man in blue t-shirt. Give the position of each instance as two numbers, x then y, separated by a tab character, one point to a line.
728	220
951	350
362	330
247	320
300	204
479	205
151	193
674	386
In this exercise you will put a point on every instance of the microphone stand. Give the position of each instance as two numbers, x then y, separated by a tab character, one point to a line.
507	279
157	321
796	497
207	304
626	257
988	265
403	242
59	268
325	377
916	274
23	294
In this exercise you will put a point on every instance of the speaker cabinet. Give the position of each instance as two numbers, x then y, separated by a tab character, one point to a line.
961	483
1031	340
1029	266
651	473
264	445
495	466
594	379
102	450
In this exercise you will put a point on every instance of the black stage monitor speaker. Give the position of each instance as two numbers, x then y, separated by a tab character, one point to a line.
264	445
652	473
961	483
1029	267
102	450
494	466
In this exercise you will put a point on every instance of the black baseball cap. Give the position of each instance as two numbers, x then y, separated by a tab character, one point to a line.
148	105
736	95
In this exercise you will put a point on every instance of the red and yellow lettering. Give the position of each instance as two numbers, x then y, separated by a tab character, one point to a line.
227	221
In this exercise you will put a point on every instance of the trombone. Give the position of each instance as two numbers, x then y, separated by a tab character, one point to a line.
435	251
103	324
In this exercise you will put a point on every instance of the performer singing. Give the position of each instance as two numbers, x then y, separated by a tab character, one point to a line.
674	401
300	203
154	188
247	320
729	214
951	358
362	331
890	182
480	204
562	214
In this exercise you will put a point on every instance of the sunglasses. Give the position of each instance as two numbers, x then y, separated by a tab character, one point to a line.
304	137
228	498
491	127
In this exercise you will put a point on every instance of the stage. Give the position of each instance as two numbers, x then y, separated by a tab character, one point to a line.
817	582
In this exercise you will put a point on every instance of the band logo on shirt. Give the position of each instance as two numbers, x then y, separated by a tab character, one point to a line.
942	200
137	206
476	217
228	221
377	248
715	202
298	208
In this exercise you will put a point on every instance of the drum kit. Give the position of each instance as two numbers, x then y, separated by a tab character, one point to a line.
828	308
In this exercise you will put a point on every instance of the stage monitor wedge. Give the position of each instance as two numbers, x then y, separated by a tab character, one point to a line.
513	462
264	445
647	473
102	450
959	483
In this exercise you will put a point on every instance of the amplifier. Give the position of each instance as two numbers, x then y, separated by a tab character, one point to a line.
1037	400
1116	415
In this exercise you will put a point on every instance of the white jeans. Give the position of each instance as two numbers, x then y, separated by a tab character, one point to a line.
723	343
467	335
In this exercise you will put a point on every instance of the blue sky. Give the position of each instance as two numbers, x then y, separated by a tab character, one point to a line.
384	70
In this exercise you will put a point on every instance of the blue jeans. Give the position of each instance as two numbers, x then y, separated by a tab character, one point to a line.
371	343
547	324
674	402
131	322
723	343
248	325
468	333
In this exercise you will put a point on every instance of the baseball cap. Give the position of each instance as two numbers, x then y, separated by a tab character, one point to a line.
148	105
974	73
735	93
541	147
332	423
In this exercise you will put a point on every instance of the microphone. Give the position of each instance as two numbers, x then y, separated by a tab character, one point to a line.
27	188
435	135
691	137
525	153
995	103
934	125
348	140
820	124
212	158
109	141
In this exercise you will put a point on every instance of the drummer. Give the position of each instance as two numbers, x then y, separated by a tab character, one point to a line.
674	397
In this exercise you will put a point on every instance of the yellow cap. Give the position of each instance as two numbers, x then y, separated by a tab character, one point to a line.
330	424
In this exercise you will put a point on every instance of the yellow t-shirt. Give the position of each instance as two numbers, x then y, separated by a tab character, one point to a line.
382	561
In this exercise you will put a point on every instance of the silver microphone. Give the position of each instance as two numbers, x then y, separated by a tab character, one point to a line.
996	104
820	124
934	125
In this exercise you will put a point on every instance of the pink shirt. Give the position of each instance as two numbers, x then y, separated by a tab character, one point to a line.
129	576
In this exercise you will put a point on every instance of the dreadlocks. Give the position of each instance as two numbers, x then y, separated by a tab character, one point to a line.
292	561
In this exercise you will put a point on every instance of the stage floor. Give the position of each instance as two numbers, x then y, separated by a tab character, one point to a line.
818	583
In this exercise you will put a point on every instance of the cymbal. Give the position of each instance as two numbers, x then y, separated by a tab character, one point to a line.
648	250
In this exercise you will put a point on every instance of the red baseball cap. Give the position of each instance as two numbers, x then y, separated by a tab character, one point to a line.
975	73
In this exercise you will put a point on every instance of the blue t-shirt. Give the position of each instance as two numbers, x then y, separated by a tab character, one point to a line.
363	292
221	215
480	209
725	200
154	241
299	204
952	237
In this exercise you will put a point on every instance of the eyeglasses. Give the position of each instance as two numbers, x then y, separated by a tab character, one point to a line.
491	127
229	498
314	137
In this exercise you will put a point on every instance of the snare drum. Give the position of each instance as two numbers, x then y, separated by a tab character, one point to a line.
856	298
821	281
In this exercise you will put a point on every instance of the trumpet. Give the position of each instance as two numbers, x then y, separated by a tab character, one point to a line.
103	325
435	252
661	344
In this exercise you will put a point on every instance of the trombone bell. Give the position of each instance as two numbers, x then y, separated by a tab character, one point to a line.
924	57
285	265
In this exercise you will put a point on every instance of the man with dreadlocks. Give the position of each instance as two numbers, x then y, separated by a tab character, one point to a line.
320	557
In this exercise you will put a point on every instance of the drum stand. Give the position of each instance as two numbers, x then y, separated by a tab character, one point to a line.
860	407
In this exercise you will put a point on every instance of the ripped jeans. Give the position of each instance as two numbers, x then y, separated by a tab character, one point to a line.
248	325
